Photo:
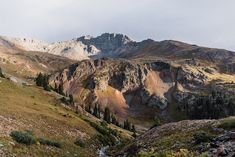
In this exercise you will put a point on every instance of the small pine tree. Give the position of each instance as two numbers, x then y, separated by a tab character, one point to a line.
43	81
127	125
231	107
99	111
88	108
71	101
133	128
1	74
61	89
95	112
107	116
113	119
39	79
46	83
56	88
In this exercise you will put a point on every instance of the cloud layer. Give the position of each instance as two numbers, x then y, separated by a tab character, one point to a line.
203	22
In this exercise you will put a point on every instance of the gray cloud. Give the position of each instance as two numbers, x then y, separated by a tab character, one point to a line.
203	22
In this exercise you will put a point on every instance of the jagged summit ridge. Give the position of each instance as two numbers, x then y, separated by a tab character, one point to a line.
114	45
78	48
28	44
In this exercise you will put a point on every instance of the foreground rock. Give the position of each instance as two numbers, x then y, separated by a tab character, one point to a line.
194	138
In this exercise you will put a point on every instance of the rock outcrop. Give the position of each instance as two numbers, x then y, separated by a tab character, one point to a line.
130	83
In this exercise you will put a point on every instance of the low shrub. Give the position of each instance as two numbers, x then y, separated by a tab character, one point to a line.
104	123
64	100
101	129
44	141
80	143
28	138
202	137
23	137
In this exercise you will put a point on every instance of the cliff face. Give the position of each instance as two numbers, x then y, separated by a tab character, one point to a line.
135	88
127	87
119	84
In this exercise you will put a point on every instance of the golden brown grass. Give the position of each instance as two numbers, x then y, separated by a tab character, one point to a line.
29	108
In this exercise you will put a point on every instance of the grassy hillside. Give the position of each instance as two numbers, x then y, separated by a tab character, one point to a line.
28	108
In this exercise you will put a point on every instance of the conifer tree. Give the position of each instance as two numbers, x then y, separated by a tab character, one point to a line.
88	109
39	79
99	111
56	88
107	117
95	112
127	125
113	119
71	101
133	128
1	74
45	83
61	89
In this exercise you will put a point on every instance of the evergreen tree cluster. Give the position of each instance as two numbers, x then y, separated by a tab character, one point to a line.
128	126
68	101
214	106
108	117
60	89
42	80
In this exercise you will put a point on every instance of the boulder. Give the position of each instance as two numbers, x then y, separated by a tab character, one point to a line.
231	135
222	151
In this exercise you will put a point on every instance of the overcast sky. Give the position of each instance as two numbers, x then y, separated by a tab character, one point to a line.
203	22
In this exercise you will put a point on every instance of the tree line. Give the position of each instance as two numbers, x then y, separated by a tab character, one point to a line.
214	106
109	117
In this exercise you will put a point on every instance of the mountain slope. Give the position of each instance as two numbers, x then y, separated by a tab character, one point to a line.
142	91
31	109
185	138
146	82
120	46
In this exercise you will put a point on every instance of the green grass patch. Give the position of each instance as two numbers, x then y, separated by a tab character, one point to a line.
228	124
202	137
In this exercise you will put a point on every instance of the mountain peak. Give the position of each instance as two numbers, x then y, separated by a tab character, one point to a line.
105	37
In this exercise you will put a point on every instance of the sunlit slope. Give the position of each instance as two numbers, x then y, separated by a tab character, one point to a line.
25	64
29	108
